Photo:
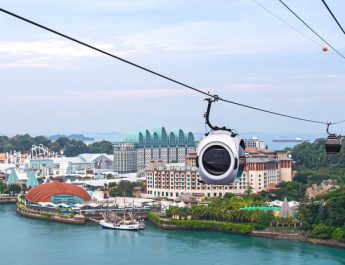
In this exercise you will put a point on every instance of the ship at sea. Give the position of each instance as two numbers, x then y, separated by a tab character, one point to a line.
289	140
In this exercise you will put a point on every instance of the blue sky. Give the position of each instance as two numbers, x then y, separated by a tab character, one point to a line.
231	48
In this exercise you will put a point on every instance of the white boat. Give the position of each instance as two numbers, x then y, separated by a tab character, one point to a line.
123	225
113	221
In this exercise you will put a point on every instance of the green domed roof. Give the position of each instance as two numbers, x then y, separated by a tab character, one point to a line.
158	137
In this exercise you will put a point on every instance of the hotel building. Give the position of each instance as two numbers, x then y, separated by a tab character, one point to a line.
254	143
155	144
263	172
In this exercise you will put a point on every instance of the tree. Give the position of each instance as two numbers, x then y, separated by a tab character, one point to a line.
291	190
101	147
14	189
248	190
2	187
124	187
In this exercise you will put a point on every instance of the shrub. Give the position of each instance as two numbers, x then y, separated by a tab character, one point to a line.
321	231
338	234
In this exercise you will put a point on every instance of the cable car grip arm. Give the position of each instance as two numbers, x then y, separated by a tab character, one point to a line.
210	100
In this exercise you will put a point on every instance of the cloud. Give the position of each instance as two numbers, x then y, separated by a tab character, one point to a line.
102	95
202	37
50	53
49	47
125	5
215	38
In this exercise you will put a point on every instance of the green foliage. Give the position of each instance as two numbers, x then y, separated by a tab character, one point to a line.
14	189
313	156
20	142
204	225
221	210
71	147
314	165
321	231
291	190
124	188
325	218
101	147
338	234
3	187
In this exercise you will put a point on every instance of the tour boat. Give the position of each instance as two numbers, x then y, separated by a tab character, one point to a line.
113	221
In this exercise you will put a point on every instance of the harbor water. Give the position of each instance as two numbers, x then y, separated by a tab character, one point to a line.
26	241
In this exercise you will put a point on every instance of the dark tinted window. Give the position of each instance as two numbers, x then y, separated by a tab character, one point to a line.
216	160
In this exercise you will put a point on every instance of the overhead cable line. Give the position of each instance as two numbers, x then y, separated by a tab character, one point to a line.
309	27
330	11
337	122
287	23
158	74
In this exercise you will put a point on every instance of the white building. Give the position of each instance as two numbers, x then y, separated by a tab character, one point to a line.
83	164
254	143
125	158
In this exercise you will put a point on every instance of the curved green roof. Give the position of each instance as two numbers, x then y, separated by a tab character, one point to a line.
158	137
190	139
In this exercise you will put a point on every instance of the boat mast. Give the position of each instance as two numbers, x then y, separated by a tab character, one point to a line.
124	206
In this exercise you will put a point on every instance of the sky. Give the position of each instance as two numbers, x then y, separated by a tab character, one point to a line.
235	49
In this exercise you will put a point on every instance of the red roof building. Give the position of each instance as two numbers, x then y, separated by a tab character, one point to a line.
47	192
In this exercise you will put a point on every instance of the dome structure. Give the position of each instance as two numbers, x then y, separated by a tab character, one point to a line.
57	192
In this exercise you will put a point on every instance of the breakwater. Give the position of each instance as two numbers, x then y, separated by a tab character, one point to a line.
49	216
6	199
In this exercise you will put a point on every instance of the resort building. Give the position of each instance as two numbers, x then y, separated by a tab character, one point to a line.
125	158
254	143
173	180
57	192
80	165
3	158
155	144
263	171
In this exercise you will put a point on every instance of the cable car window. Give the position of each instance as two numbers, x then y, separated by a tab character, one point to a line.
216	160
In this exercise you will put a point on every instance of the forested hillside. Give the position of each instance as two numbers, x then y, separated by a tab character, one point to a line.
23	143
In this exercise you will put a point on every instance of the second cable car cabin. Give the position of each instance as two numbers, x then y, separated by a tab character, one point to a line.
333	144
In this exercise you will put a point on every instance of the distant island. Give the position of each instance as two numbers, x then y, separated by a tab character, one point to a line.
76	137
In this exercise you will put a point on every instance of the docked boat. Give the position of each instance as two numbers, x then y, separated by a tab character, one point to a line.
112	221
122	225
